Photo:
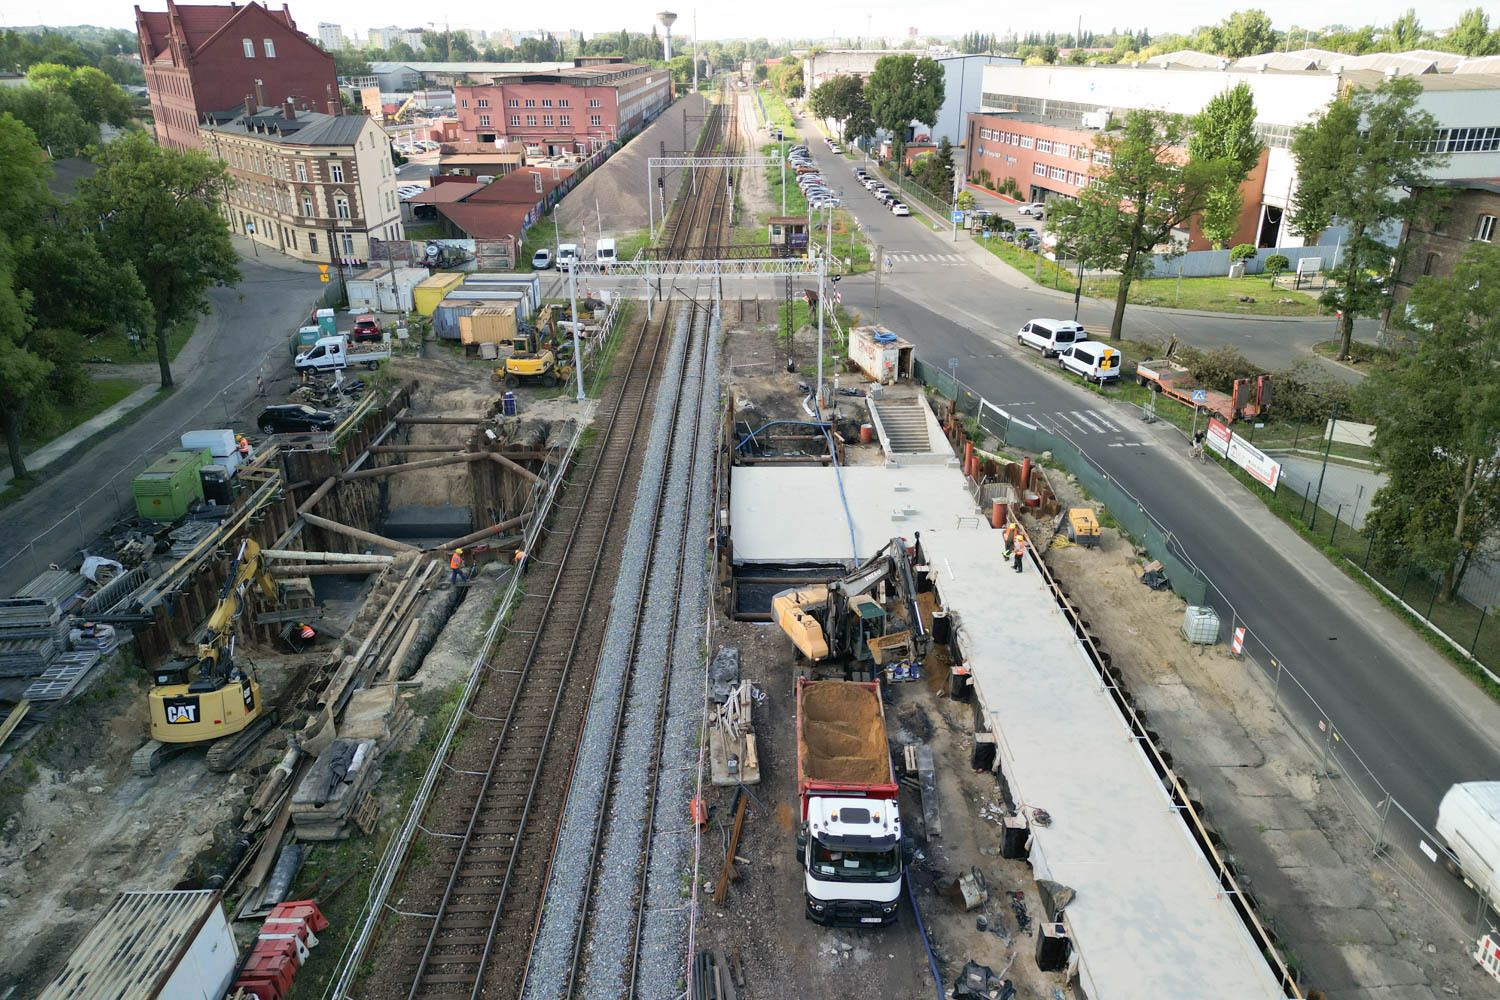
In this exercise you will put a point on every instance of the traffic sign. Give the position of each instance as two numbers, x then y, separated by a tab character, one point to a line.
957	216
323	273
1200	395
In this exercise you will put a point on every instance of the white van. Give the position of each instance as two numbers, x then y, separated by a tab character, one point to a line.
1051	336
604	252
566	254
1094	362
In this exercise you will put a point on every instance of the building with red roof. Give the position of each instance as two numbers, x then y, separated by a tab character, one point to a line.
202	59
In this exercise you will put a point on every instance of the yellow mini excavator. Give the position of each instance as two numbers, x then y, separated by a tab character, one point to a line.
534	360
210	699
841	621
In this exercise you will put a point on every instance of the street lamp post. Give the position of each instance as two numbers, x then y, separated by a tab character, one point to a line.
1332	423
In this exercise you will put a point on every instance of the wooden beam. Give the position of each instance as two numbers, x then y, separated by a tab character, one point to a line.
429	463
328	569
458	421
347	557
317	494
512	466
484	533
13	720
355	533
519	455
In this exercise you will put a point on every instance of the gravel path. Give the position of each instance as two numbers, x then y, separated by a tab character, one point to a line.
573	861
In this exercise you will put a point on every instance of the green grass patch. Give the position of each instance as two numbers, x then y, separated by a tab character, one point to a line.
118	348
1360	352
424	231
777	113
1209	295
101	395
1025	261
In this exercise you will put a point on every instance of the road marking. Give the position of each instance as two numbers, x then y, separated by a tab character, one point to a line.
1088	423
1105	420
1070	420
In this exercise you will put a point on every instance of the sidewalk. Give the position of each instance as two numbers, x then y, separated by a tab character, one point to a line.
68	440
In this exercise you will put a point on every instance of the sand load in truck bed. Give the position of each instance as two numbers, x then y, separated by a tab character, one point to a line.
843	734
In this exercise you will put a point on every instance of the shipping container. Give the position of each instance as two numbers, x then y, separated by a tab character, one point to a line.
880	354
530	283
432	290
380	289
489	325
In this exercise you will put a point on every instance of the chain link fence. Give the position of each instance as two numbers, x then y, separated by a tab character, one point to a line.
1396	837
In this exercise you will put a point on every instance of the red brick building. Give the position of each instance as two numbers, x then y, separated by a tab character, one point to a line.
205	59
1049	160
577	109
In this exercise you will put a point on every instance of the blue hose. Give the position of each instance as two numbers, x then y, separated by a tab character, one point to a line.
911	894
795	423
843	498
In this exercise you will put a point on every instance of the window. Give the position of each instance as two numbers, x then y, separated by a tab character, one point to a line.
1044	145
302	171
270	48
593	102
336	173
249	48
514	103
515	121
565	120
1040	169
547	120
307	206
562	102
1058	174
463	104
481	103
1484	228
341	207
531	102
312	242
484	121
1432	260
291	236
596	120
1101	157
546	102
348	245
1026	142
531	121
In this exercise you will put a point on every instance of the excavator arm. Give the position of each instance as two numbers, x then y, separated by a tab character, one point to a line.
249	571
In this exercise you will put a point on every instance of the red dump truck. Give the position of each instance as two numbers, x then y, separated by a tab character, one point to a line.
1252	397
849	842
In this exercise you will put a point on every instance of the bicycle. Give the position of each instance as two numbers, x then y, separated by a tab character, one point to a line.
1196	451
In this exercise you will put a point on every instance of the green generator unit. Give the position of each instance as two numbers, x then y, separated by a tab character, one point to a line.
171	484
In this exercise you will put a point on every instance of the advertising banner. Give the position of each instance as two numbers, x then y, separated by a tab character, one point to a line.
1244	454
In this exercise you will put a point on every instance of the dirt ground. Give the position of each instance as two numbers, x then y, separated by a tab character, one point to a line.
1352	927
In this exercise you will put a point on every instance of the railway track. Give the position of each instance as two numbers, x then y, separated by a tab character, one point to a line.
474	879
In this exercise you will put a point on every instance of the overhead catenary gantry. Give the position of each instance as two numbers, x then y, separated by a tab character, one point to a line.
691	163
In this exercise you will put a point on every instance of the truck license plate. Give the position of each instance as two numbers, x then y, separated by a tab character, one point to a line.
869	920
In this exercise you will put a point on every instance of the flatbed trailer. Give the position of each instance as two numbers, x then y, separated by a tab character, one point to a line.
1251	398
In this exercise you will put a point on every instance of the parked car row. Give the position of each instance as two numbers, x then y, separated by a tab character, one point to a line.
416	147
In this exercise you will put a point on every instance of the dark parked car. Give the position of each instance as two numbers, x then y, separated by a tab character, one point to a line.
293	418
366	327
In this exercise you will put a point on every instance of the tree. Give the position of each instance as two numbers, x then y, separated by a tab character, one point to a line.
23	375
1472	35
52	118
1224	135
1404	33
965	201
1358	166
1275	264
1242	33
96	96
1135	198
157	210
350	63
903	89
1437	425
761	72
840	99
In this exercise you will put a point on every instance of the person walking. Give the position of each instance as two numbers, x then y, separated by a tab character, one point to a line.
1018	550
456	564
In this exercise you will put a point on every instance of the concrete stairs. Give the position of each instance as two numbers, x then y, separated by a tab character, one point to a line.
905	424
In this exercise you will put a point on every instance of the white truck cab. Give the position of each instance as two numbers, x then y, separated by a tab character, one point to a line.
604	252
567	253
852	860
334	353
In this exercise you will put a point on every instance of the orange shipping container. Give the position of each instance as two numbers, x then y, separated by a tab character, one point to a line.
490	325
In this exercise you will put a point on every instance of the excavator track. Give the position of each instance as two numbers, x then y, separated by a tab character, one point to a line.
153	755
225	754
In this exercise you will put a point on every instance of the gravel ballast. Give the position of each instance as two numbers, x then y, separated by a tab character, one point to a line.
574	861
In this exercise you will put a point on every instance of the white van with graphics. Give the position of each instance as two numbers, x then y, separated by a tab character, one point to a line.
1051	336
1094	362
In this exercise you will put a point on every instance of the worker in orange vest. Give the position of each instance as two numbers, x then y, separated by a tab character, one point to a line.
456	564
1018	549
1010	538
243	445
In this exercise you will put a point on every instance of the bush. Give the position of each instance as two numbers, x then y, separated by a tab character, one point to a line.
1277	262
983	178
1218	368
1244	251
1008	187
1292	394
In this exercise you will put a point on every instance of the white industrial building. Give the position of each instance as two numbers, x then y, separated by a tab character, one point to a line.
1290	89
963	76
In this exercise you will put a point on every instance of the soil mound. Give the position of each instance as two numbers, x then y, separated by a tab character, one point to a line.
843	737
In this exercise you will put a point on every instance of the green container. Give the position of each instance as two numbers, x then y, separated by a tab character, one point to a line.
171	484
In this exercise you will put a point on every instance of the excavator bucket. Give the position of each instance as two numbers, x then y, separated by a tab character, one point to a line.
793	610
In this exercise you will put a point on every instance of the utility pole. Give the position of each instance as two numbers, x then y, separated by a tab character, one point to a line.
695	50
879	267
822	290
573	304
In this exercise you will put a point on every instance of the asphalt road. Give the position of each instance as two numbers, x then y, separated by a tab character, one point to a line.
1406	711
248	326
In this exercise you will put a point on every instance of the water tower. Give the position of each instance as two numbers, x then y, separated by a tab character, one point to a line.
667	19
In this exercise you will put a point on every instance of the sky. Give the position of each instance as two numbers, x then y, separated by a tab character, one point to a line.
773	18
